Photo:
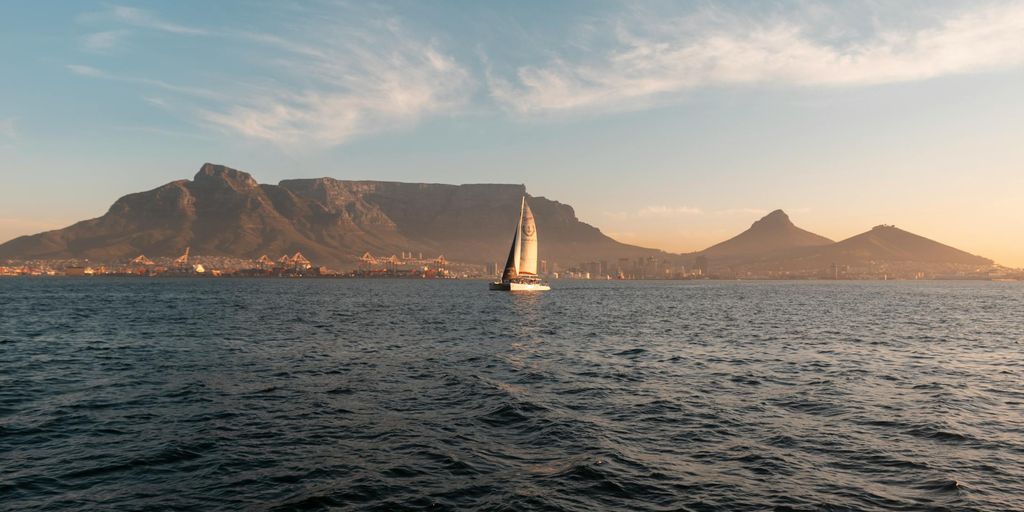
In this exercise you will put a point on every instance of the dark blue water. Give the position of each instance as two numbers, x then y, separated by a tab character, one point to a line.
166	394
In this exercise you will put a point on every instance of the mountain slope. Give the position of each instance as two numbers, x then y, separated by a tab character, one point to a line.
225	212
882	249
772	233
465	222
774	246
891	244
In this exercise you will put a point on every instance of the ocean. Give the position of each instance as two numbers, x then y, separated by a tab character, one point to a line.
293	394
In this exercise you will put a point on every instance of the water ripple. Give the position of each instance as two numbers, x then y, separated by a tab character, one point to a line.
383	395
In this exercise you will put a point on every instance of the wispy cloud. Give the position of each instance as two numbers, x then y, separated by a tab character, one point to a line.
80	69
278	42
658	211
316	83
379	79
156	102
198	92
146	19
103	42
160	131
654	59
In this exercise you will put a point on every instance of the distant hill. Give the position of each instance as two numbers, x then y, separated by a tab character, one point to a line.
225	212
774	245
891	244
772	234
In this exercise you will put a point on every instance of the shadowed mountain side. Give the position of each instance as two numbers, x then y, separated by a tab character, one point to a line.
225	212
467	222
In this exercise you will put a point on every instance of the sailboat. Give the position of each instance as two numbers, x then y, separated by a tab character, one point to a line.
520	274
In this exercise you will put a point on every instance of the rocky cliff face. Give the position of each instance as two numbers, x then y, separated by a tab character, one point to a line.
465	222
225	212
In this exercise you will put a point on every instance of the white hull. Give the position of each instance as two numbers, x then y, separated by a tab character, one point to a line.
520	287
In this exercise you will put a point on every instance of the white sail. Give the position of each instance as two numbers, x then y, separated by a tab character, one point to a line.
528	251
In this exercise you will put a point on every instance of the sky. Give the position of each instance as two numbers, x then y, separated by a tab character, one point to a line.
672	125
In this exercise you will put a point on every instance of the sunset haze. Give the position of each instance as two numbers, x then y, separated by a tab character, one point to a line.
666	126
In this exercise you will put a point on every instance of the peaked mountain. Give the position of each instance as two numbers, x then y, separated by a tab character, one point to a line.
883	249
225	212
771	234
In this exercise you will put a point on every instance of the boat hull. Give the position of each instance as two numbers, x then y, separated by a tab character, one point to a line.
519	287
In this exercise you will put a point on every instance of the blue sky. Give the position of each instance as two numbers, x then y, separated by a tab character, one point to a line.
672	125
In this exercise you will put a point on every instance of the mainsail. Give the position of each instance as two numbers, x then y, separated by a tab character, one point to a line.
512	264
528	252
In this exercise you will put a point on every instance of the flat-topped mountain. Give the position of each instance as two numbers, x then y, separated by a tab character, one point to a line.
773	233
225	212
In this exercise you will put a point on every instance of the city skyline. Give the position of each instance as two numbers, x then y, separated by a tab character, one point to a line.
665	126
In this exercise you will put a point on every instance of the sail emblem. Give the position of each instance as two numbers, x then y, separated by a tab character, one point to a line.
529	230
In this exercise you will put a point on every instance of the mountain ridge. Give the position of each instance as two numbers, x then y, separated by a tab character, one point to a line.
226	212
882	247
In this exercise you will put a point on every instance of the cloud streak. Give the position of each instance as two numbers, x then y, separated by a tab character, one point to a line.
103	42
198	92
653	60
145	19
381	79
659	211
315	84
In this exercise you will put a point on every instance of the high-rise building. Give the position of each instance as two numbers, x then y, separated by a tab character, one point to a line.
702	265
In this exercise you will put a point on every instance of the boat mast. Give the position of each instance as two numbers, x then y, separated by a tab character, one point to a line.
512	263
518	243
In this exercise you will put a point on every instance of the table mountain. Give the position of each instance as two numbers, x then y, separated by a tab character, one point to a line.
225	212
